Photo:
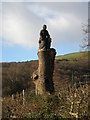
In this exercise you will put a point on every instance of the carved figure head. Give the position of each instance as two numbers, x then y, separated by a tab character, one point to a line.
44	27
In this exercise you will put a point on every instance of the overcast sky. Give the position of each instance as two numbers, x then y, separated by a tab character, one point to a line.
22	22
44	0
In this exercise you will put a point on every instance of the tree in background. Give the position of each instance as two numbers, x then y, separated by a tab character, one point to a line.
86	41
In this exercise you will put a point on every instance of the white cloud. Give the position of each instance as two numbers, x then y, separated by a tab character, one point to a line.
1	18
45	0
58	23
65	28
0	31
22	22
63	25
18	26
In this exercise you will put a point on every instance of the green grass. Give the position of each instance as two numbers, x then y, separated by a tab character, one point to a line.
73	56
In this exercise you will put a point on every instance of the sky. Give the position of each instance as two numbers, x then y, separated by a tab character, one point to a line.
22	21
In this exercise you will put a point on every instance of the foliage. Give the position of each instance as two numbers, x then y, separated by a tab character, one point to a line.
69	101
17	76
72	103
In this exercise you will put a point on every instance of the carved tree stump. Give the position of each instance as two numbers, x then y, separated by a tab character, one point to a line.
44	81
43	77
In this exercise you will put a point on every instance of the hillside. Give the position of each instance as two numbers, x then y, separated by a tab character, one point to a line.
17	76
68	70
73	56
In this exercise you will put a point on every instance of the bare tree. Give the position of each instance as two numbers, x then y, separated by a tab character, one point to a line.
86	40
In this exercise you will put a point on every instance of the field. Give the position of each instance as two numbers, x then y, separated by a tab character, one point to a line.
74	56
70	100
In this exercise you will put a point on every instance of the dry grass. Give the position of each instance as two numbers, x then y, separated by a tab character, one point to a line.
67	103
